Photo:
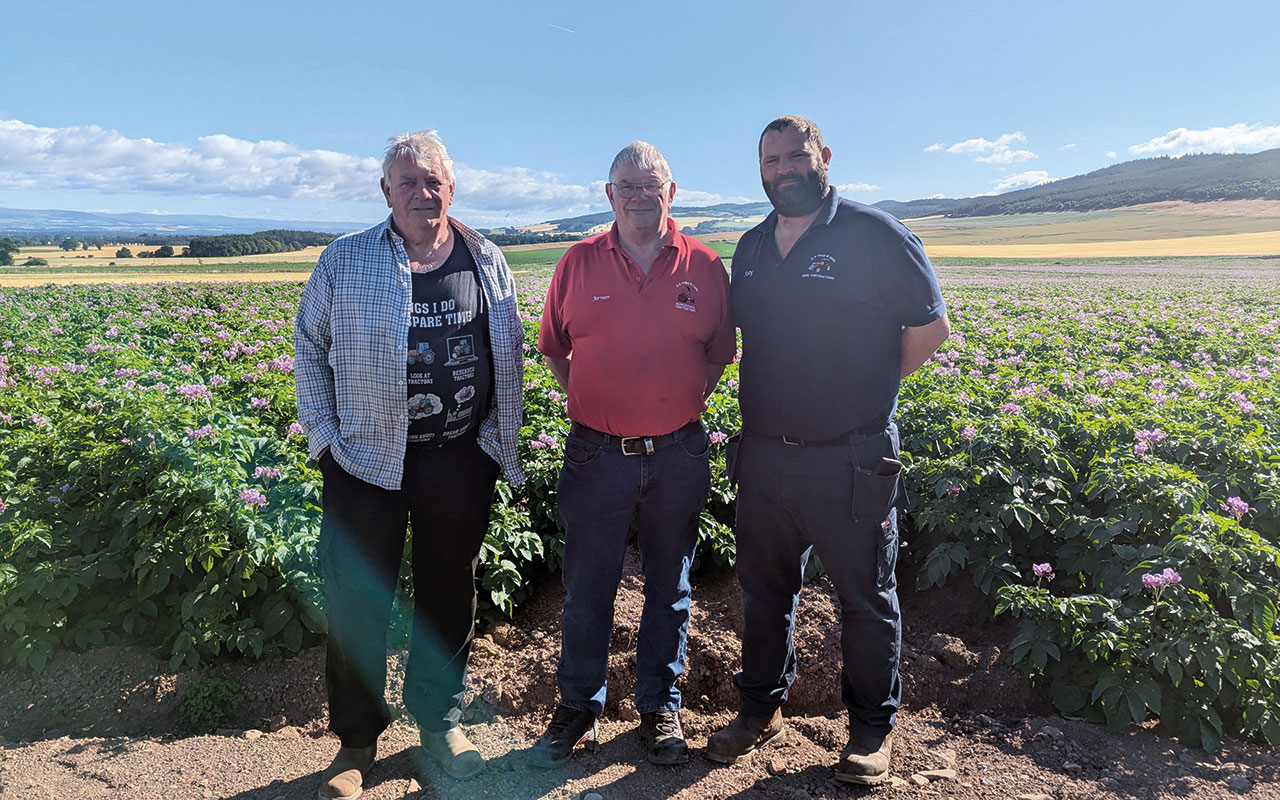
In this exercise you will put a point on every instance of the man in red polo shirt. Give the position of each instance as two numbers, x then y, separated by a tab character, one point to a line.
637	329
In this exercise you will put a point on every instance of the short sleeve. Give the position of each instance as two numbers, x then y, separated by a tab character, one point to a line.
908	285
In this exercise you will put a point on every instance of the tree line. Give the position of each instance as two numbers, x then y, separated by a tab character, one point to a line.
507	237
251	244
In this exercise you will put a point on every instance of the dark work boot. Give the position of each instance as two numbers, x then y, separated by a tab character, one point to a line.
569	727
744	735
865	759
663	740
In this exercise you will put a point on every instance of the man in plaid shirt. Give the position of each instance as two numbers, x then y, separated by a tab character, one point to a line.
409	368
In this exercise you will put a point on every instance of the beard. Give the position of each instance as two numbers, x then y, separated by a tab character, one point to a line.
798	198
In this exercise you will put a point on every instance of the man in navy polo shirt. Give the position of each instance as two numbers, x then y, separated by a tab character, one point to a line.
837	302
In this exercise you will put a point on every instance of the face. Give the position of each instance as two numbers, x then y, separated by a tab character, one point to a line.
645	210
418	196
793	171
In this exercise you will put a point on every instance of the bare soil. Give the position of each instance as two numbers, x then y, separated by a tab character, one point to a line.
105	724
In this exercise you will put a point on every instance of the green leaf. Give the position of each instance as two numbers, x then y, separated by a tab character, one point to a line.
1068	698
276	613
1137	709
1210	739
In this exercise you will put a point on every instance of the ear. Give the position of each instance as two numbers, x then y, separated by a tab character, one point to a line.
826	156
608	192
671	193
386	190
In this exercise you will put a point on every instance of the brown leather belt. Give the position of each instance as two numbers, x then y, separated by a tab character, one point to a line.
634	445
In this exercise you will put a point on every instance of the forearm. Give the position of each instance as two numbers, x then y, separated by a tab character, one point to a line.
313	377
714	371
918	344
559	368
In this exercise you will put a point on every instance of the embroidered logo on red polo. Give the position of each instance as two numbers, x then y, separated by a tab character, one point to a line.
820	265
687	296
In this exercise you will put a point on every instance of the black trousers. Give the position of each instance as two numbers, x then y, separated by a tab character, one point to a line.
837	502
446	494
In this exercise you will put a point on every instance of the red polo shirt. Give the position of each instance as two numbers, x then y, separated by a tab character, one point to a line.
640	344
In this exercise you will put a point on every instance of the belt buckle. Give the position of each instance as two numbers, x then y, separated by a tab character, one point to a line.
648	445
796	443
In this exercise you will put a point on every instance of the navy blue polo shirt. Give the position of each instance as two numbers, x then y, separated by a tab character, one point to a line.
822	328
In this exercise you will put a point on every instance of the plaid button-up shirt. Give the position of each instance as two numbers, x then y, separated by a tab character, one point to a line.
350	343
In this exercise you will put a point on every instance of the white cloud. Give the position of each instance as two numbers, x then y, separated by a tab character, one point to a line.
91	159
1231	139
1071	146
87	157
989	152
1110	154
1022	180
850	188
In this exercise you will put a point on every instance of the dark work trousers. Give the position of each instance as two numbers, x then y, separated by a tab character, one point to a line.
446	494
830	500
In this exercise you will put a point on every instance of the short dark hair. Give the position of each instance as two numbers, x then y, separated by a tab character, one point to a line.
803	124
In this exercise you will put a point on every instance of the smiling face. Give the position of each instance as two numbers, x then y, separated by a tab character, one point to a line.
645	211
793	171
418	196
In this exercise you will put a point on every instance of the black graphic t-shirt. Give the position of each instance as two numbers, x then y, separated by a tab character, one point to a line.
450	371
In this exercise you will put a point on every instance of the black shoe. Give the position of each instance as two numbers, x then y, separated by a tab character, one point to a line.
569	728
663	739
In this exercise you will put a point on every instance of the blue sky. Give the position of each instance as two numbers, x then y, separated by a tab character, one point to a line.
281	109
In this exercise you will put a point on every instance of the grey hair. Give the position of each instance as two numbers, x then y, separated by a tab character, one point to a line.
424	148
642	155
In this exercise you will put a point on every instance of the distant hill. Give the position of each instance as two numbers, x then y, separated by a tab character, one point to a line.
144	227
922	208
720	211
1195	178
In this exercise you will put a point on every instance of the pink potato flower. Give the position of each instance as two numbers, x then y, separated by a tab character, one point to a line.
253	497
1235	507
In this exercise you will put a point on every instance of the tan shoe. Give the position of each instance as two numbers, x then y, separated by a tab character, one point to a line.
344	778
744	735
454	752
865	760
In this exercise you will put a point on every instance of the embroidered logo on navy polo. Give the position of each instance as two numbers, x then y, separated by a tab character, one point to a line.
820	265
687	296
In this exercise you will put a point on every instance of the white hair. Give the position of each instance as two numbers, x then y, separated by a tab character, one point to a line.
424	148
642	155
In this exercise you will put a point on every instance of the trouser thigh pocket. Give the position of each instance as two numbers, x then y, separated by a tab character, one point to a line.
875	489
732	448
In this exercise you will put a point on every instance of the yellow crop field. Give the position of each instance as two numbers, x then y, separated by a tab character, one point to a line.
87	259
1239	244
1160	229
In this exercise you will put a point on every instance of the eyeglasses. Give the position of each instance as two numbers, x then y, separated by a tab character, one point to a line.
631	189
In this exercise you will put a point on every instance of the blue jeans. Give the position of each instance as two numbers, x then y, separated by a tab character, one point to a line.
836	501
601	492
